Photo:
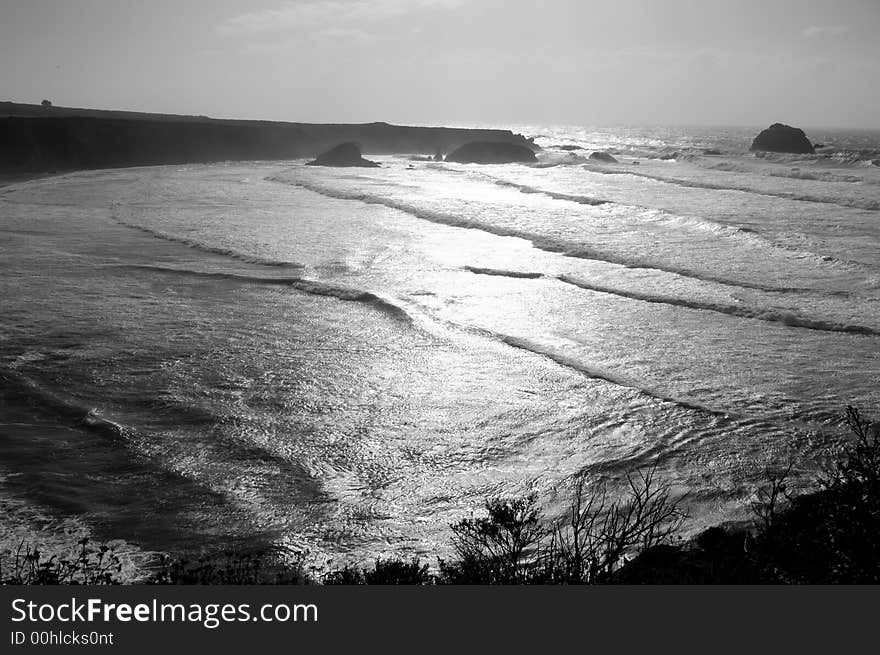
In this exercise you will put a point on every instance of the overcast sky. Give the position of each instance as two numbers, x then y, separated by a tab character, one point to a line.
580	62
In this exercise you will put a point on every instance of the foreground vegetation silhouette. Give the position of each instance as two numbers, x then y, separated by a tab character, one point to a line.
829	536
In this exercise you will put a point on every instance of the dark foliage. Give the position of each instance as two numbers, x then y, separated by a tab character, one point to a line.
596	535
87	564
273	567
591	540
385	572
500	548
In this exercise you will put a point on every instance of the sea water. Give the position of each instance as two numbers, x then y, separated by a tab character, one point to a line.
346	361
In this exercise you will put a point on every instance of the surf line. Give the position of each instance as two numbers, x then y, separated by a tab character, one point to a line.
780	316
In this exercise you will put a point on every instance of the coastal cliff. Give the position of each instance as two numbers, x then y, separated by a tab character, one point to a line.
40	144
35	138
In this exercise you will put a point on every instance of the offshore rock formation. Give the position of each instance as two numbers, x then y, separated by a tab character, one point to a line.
603	156
491	152
783	138
345	154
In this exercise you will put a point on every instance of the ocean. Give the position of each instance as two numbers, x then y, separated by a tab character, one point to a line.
346	361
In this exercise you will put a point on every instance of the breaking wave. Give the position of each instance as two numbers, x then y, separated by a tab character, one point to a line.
851	203
80	416
702	224
783	316
778	315
304	285
606	376
524	188
495	271
542	242
214	250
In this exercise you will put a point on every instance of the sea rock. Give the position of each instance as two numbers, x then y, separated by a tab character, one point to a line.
491	152
345	154
783	138
568	147
602	156
711	151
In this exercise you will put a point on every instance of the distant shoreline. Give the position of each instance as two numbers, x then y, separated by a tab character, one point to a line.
39	138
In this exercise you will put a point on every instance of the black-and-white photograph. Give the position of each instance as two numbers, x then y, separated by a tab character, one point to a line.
439	292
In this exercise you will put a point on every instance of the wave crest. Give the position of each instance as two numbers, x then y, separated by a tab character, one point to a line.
852	203
312	287
214	250
784	316
542	242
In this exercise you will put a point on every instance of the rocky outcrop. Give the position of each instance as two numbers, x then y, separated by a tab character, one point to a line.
783	138
385	139
345	154
603	156
491	152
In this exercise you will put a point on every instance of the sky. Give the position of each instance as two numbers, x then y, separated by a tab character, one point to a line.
566	62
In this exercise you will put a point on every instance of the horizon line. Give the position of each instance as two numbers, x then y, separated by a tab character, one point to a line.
457	123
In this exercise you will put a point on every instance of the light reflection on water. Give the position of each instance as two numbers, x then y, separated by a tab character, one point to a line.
336	421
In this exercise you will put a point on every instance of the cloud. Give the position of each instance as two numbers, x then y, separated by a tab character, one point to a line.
347	36
832	30
309	14
269	48
333	36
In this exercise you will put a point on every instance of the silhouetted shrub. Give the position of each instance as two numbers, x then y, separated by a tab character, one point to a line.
398	571
586	545
500	548
348	575
591	541
278	566
87	564
390	571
